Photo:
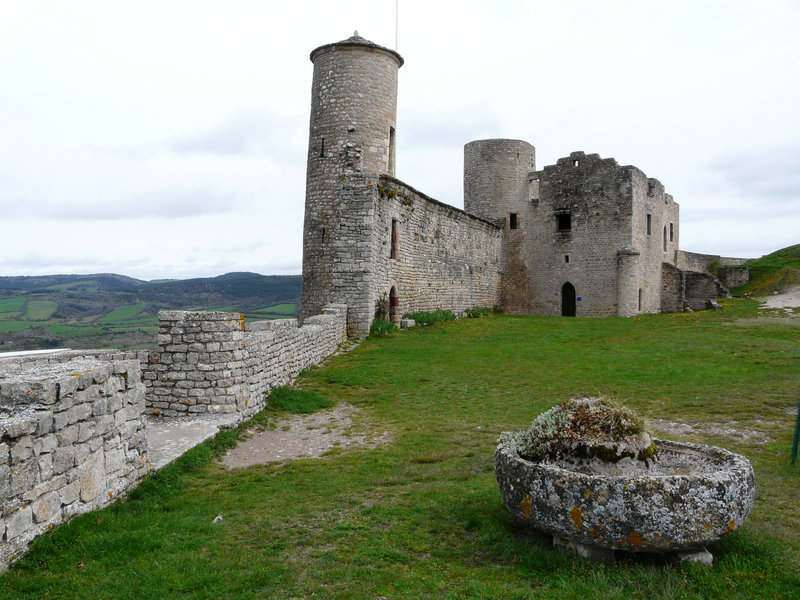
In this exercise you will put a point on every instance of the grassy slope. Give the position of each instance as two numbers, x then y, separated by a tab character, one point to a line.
421	517
773	272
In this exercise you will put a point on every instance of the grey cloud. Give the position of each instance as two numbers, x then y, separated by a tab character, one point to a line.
448	128
164	204
771	177
248	131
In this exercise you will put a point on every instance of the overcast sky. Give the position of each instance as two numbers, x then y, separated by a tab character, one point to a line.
167	139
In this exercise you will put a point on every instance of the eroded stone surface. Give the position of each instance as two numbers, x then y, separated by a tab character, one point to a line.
693	497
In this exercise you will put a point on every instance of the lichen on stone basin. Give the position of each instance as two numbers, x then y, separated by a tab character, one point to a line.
691	496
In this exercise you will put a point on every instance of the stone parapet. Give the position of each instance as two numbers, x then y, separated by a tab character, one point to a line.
211	362
72	439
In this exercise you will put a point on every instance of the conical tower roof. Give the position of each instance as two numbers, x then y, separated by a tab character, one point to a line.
355	42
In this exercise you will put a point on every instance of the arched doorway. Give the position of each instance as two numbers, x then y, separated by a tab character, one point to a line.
394	302
568	305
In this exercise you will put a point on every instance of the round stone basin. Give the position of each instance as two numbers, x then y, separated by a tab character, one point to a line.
693	496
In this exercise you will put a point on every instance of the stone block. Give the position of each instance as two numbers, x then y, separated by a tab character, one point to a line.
22	450
45	422
91	477
45	462
63	459
70	492
5	481
19	523
67	435
43	445
46	507
24	476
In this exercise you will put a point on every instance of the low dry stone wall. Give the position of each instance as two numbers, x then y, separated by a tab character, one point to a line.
209	362
72	439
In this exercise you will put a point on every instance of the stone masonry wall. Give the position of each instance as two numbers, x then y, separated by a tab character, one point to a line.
352	124
595	194
71	440
693	261
443	257
209	362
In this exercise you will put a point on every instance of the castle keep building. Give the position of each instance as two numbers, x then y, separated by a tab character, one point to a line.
583	237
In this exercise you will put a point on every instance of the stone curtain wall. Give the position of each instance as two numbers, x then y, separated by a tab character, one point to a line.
208	362
693	261
445	257
71	440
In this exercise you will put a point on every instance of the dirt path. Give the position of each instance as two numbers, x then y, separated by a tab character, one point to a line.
788	299
307	436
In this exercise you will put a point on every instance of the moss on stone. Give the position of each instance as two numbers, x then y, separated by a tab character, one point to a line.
585	428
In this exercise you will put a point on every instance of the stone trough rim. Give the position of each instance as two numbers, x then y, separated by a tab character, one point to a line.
732	467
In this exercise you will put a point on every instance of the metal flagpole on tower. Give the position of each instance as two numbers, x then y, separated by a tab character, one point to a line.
396	14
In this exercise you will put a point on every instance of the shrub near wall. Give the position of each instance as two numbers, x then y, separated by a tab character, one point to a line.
71	440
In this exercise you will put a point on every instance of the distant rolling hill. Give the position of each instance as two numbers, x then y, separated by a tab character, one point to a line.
114	310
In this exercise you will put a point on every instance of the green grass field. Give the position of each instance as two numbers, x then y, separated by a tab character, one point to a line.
40	310
123	313
421	516
10	307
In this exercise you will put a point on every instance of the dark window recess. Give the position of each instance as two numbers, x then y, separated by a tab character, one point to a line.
564	222
513	223
640	299
566	258
391	151
575	163
671	233
649	224
323	235
651	187
395	240
665	238
322	149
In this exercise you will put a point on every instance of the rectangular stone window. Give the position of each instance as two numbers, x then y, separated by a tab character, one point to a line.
671	233
566	258
649	224
563	222
513	222
395	246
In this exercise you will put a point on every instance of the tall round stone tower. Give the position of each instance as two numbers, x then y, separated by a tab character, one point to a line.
353	115
496	177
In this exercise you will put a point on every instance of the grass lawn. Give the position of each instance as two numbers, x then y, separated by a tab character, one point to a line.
421	517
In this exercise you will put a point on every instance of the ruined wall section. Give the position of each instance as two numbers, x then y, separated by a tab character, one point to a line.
575	229
443	257
694	261
72	439
655	234
211	362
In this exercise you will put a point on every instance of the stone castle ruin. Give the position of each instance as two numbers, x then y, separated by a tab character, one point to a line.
583	237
